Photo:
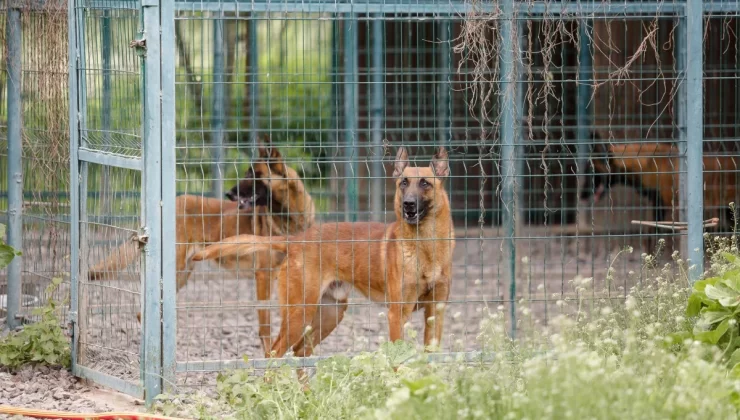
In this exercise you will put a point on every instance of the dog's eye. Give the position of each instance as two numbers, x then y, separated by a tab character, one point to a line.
424	183
404	182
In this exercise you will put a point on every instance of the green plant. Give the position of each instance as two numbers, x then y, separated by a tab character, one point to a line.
715	303
41	342
7	252
606	361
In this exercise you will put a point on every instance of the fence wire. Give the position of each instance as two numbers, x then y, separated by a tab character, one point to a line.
565	135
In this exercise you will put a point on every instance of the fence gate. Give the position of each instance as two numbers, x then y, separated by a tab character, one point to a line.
122	171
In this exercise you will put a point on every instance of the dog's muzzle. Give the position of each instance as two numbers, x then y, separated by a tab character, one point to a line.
412	212
246	203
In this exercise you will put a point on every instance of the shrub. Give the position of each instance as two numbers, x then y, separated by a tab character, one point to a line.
42	342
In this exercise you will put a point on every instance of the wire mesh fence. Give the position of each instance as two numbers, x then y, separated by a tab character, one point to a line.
571	131
34	155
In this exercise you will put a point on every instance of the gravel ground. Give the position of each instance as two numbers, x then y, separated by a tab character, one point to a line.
56	389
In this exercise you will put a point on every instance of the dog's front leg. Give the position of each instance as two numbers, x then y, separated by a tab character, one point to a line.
263	277
435	305
395	310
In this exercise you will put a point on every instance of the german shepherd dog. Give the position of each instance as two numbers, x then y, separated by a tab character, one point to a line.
652	169
405	265
270	200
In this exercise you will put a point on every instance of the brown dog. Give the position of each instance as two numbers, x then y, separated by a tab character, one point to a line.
271	200
406	265
653	170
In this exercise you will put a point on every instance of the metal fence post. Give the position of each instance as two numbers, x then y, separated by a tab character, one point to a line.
444	106
509	133
169	188
583	110
74	192
253	85
14	39
151	212
81	180
350	116
217	118
378	101
106	46
691	126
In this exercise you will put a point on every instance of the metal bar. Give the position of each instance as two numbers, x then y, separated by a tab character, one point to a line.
83	301
583	110
221	365
378	108
334	133
349	27
169	188
217	110
680	99
509	122
74	183
693	127
439	8
95	156
253	86
106	46
82	80
112	382
14	39
444	110
151	267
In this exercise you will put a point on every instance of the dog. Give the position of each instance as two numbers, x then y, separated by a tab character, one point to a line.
652	169
270	200
406	265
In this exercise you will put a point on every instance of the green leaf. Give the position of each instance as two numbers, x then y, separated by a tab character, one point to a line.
398	352
701	284
735	371
7	253
695	303
731	258
679	337
734	357
723	294
428	383
713	317
713	336
733	282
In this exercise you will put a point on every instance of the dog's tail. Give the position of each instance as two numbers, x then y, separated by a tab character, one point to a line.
117	260
242	245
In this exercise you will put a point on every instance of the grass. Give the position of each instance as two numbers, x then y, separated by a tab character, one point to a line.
608	361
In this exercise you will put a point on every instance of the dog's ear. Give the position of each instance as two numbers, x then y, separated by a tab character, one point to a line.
263	153
439	164
402	161
276	161
600	148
